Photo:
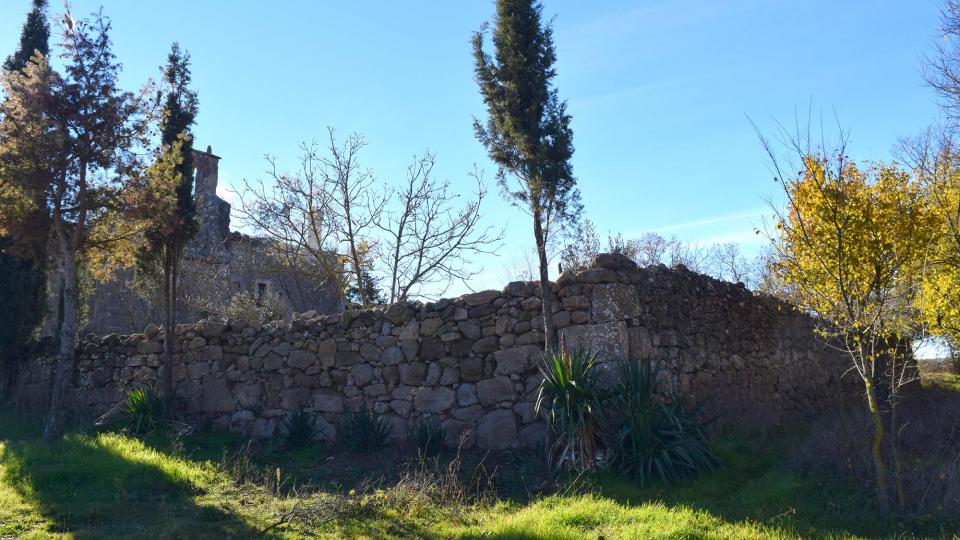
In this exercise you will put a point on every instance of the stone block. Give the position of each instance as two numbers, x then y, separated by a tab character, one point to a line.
362	374
485	345
608	340
479	298
533	435
471	369
515	360
497	430
216	396
467	395
328	401
429	327
301	359
413	374
615	302
495	390
434	400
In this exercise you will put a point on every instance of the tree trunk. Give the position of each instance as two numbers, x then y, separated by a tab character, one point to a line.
876	448
549	327
169	317
68	334
895	453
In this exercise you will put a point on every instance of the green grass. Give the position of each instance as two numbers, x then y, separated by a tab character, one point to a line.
112	485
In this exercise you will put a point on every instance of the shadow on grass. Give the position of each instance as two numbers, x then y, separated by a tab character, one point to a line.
101	486
755	486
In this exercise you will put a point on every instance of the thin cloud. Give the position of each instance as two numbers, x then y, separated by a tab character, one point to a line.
710	221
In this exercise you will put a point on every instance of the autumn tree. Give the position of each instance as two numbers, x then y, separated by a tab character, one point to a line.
24	233
73	129
527	132
171	215
847	241
936	159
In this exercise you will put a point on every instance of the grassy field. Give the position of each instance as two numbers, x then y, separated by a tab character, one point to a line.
212	485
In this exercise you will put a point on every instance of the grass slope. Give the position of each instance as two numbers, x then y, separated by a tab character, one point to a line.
111	485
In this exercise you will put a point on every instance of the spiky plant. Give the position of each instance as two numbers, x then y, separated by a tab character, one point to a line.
364	430
298	430
429	435
656	441
570	398
145	410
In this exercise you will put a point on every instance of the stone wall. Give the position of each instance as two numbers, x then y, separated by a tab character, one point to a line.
471	361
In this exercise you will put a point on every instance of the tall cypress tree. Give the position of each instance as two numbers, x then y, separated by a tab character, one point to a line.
23	243
170	230
35	36
527	132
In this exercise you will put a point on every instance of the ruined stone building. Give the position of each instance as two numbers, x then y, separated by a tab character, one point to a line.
218	264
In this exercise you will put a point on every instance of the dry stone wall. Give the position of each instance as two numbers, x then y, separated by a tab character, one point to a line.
472	361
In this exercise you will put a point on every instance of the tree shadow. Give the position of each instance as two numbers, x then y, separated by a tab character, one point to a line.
107	486
754	486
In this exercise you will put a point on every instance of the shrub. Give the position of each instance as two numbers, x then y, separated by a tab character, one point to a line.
243	305
298	430
363	430
655	441
429	435
569	395
145	410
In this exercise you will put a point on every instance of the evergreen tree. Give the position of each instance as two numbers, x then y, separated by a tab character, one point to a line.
371	291
527	132
68	138
35	37
172	225
23	241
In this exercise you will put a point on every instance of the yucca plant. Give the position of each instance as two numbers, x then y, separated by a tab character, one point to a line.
298	430
429	435
655	441
144	409
364	430
570	397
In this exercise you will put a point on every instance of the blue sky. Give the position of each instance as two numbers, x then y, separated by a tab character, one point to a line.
659	91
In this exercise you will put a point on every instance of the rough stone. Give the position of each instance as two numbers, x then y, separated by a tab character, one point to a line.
495	390
301	359
327	401
434	400
497	430
413	374
466	395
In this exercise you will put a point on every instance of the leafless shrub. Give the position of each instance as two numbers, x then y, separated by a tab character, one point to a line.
929	443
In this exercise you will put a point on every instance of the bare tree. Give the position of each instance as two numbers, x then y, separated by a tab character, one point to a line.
520	266
427	239
942	69
727	262
353	207
319	216
331	216
583	245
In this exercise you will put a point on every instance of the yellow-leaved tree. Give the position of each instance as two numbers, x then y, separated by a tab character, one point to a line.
937	162
847	244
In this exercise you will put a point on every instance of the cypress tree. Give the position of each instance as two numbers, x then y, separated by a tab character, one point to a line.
527	132
35	36
169	231
23	244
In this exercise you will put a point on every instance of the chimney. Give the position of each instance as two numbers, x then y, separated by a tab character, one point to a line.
205	177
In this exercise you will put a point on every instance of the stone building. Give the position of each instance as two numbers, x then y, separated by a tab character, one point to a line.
218	264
